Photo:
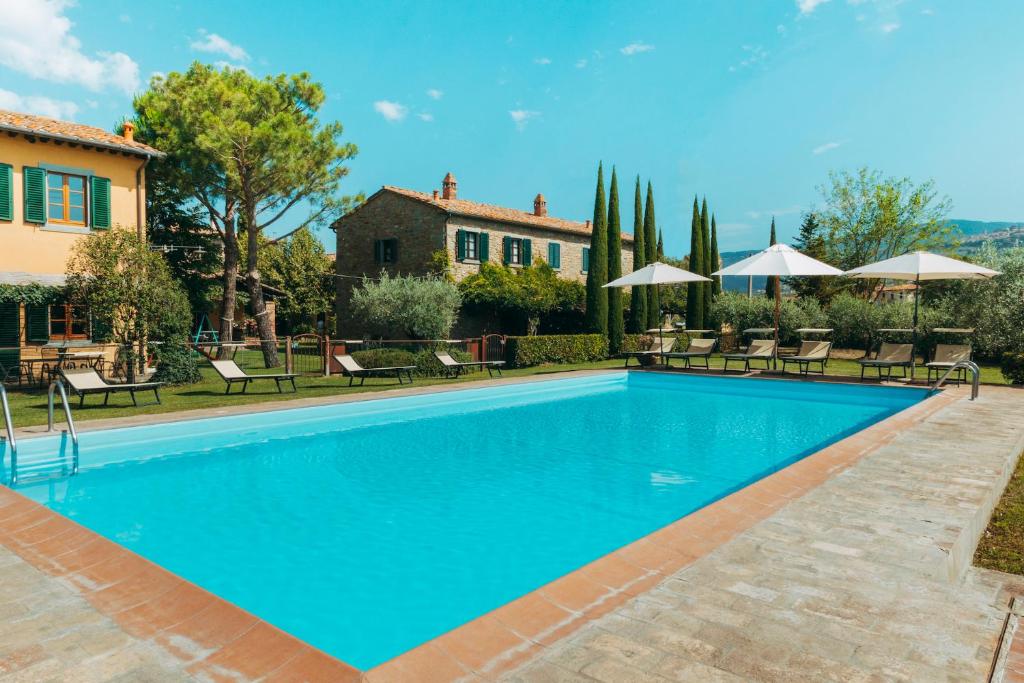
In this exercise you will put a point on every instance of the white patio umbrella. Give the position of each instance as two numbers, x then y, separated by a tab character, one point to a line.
778	261
657	274
921	266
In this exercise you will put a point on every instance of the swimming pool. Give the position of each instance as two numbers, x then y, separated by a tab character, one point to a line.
367	528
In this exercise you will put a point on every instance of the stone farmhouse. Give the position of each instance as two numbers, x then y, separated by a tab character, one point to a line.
399	230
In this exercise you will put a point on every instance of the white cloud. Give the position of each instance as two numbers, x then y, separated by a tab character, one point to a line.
755	54
125	18
425	116
780	29
435	94
827	147
543	61
212	42
581	64
635	48
808	6
36	40
890	27
522	116
391	111
44	106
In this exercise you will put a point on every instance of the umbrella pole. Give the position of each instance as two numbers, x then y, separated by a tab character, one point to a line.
778	311
661	324
913	333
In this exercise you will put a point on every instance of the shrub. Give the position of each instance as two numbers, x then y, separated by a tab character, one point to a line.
1013	367
636	342
384	358
407	306
427	365
176	364
556	348
527	299
741	313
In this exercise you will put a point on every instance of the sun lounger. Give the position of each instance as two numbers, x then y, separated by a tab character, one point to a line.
808	353
698	349
454	368
945	357
232	374
85	381
659	348
889	356
759	349
351	367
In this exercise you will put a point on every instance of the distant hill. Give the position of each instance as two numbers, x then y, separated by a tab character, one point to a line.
969	227
1002	234
739	284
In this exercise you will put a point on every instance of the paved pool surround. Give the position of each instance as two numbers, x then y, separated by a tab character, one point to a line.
73	604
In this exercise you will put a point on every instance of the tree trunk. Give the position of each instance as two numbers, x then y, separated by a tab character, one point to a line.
268	342
229	296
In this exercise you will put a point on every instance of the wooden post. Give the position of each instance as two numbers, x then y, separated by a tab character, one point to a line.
327	356
288	361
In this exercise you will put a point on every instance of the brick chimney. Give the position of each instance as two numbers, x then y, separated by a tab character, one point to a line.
449	187
435	195
540	206
129	131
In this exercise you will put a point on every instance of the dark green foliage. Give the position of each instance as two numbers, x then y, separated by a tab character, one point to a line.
523	352
526	299
738	312
384	358
661	246
1012	366
616	323
811	242
32	294
176	364
651	245
694	291
427	364
705	236
769	288
638	295
716	260
636	342
597	276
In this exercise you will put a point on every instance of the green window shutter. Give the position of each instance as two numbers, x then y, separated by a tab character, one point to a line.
10	334
483	246
378	251
34	180
99	196
555	255
6	192
37	323
506	250
527	252
586	259
460	245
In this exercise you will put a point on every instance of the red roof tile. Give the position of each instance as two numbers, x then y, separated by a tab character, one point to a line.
73	132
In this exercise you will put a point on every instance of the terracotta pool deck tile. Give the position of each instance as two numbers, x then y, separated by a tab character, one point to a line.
136	589
478	645
532	616
258	651
615	572
164	611
314	666
209	629
426	663
648	555
574	592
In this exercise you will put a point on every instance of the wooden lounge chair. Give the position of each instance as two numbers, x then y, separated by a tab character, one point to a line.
759	349
232	374
85	381
659	348
809	352
454	368
945	357
351	367
698	349
889	356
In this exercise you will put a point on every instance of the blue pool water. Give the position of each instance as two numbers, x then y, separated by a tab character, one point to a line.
368	528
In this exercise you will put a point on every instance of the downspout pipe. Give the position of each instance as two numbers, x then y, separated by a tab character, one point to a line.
140	200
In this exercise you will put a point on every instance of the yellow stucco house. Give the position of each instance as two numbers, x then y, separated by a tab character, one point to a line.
60	182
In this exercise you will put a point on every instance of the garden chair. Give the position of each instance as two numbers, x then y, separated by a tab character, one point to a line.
85	381
759	349
453	368
351	367
698	349
660	347
232	374
889	356
945	357
808	353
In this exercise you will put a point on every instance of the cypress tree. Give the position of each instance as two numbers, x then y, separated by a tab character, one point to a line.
661	246
769	289
597	273
694	294
638	297
616	323
705	236
716	260
651	246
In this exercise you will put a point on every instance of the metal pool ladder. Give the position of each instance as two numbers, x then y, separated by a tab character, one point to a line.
962	365
9	425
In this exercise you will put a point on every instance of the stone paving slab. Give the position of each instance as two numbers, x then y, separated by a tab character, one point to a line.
866	578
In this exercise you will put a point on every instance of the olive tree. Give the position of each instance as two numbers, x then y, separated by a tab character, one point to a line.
414	307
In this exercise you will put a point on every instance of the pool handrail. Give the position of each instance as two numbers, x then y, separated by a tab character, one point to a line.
962	365
59	385
7	421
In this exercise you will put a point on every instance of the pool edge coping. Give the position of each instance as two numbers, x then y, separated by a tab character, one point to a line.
153	604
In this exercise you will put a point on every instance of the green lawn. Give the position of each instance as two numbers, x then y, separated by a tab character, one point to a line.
1002	546
29	407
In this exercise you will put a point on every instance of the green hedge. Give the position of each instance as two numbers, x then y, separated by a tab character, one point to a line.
636	342
426	364
521	352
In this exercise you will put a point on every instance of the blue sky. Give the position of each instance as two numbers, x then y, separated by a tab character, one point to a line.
749	103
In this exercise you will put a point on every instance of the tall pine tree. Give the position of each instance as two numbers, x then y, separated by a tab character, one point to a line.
638	297
705	236
694	293
616	323
651	246
811	242
597	273
769	289
716	260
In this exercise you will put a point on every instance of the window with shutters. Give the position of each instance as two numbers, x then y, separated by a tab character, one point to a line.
65	198
6	192
515	251
472	246
555	255
586	259
68	322
385	251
